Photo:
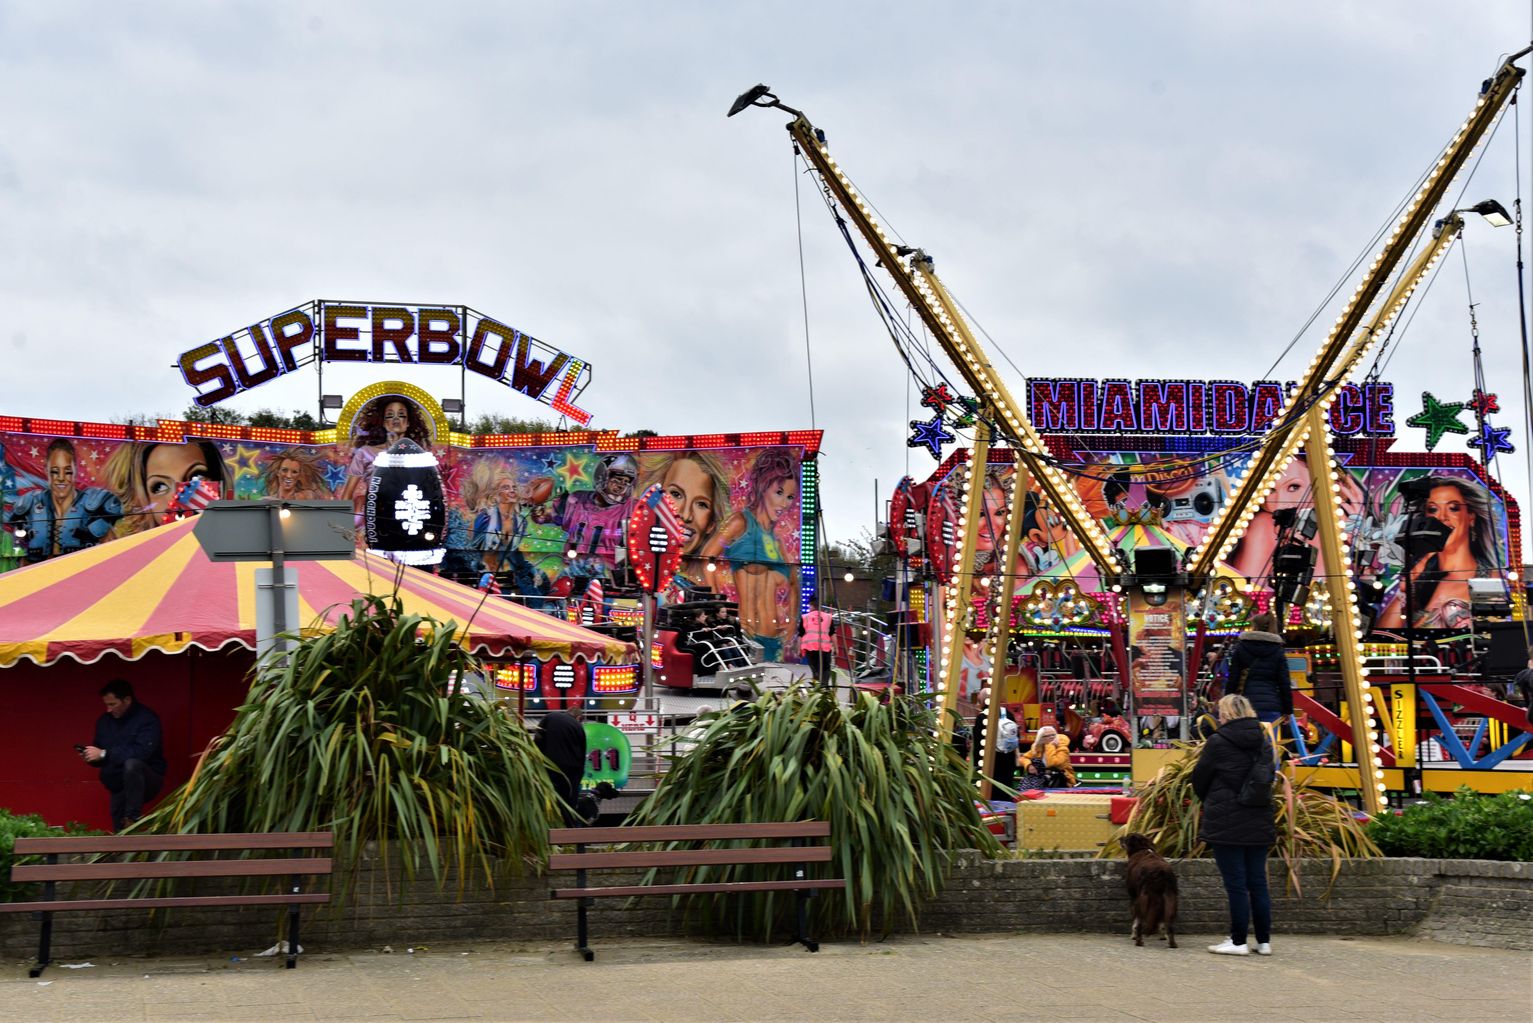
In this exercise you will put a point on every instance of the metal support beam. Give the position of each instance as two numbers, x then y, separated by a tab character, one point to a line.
1334	548
1341	352
959	592
1001	590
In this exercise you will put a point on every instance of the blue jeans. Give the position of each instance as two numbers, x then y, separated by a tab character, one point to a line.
1244	869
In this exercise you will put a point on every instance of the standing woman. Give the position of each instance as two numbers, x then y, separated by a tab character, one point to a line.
1239	836
1259	669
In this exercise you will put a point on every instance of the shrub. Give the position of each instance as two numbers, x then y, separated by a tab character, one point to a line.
363	731
14	826
900	803
1469	826
1310	824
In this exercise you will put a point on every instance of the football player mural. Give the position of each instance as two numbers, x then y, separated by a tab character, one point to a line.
540	522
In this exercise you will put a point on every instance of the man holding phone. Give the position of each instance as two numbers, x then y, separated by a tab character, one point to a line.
127	750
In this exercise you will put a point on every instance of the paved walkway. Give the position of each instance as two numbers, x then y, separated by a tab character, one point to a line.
1012	978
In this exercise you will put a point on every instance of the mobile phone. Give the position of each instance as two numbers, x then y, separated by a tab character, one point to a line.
79	748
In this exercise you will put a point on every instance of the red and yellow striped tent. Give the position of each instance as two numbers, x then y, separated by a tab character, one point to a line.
157	591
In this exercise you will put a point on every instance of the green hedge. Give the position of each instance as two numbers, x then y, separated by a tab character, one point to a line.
14	826
1467	826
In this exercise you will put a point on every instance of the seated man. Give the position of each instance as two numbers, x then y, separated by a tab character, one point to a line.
127	751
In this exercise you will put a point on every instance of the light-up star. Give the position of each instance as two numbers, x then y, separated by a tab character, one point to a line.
1438	418
929	434
576	470
937	398
1491	440
1484	403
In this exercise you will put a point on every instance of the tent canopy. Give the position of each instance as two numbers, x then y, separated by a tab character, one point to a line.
156	590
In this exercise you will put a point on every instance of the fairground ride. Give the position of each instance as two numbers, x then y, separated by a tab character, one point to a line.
1301	423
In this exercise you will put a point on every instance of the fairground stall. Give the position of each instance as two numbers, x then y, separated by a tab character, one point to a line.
527	532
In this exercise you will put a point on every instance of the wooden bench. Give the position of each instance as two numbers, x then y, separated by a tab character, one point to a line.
799	855
294	867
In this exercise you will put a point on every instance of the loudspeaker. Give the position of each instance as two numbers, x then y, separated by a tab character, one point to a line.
1507	651
1156	563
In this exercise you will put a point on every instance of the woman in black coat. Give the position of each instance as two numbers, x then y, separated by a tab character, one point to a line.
1240	837
1259	670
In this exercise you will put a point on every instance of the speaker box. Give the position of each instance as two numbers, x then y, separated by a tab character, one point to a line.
1507	652
1156	563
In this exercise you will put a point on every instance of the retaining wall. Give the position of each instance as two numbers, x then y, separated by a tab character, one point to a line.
1459	901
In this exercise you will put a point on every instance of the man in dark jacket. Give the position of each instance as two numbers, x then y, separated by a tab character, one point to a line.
1259	670
1239	836
1524	684
562	739
127	750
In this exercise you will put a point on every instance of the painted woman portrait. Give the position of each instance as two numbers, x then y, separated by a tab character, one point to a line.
146	477
294	475
697	485
748	541
382	422
501	509
1439	582
61	518
1293	494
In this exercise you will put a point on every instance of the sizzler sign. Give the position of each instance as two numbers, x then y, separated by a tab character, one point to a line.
352	332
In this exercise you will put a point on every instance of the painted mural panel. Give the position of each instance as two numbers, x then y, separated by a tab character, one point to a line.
536	523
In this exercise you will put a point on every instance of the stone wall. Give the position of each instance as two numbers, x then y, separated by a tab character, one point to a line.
1464	902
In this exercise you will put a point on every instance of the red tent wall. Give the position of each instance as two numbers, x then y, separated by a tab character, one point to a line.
48	710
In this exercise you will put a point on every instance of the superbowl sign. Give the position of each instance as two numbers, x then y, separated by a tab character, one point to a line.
443	335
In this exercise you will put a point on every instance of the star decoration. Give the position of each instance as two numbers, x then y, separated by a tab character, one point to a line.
1484	403
930	434
937	398
1438	418
335	474
576	470
1491	440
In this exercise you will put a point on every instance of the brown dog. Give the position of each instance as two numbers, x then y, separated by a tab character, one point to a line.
1152	889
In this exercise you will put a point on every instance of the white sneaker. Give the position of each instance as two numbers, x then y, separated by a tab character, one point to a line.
1228	948
1263	948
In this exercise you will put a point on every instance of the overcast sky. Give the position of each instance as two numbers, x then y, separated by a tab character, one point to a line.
1113	189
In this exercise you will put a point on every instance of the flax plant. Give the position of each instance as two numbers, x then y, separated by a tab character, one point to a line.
1310	824
900	803
364	731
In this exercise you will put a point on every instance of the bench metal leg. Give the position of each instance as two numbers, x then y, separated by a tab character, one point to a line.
44	946
801	906
582	932
295	886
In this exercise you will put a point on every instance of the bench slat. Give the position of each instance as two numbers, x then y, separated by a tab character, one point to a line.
167	843
171	902
688	857
688	832
687	889
168	868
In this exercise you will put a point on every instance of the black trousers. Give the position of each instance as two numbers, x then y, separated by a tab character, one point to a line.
822	663
131	788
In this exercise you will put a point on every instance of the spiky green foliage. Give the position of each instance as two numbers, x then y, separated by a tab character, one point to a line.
363	731
899	800
1310	824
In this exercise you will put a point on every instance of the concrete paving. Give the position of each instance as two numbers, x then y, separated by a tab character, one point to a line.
1011	978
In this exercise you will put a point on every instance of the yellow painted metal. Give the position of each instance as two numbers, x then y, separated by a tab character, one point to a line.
1344	623
1342	777
1327	370
1437	780
1001	589
958	595
937	310
1402	715
1147	763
